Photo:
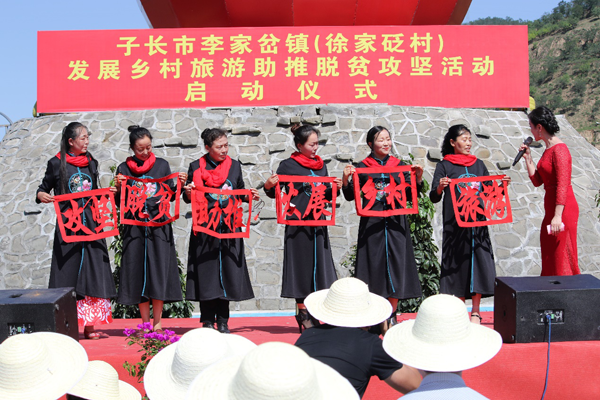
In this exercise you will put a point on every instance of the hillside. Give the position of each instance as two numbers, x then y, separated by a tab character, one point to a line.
564	62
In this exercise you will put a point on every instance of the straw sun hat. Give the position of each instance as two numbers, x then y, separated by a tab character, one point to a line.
348	303
41	365
101	382
272	371
170	373
442	338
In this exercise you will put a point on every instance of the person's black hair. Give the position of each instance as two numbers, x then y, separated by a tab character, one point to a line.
453	133
72	131
373	133
302	133
136	133
73	397
212	134
545	117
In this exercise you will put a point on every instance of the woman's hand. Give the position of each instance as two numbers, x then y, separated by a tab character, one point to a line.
45	197
556	225
119	180
272	181
506	179
418	173
255	195
182	178
445	181
338	182
527	154
348	171
188	189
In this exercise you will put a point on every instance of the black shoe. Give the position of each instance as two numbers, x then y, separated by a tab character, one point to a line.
222	327
207	324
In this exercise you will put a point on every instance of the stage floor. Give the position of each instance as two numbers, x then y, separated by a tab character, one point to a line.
517	372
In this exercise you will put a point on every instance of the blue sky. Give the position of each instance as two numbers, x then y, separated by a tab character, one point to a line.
21	19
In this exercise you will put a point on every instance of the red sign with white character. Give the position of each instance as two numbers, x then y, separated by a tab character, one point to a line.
225	219
141	193
319	212
480	201
392	192
86	215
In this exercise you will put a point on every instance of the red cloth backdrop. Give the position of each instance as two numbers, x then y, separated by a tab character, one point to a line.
480	196
438	66
70	222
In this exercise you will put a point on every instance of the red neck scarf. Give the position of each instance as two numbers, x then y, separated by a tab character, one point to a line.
372	162
214	178
312	163
465	160
77	161
141	169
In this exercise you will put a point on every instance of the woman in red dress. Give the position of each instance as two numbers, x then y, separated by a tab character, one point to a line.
558	235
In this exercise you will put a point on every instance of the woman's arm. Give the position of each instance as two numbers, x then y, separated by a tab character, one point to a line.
439	182
48	184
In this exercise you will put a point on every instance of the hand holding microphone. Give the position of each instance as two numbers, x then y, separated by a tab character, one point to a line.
526	143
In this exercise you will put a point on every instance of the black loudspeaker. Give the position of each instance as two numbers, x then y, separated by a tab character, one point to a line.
522	303
45	310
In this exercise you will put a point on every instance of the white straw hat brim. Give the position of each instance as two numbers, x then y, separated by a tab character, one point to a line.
376	311
41	366
215	383
101	382
478	346
159	382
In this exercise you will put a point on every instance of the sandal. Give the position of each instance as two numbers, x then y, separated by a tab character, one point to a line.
476	315
91	335
159	331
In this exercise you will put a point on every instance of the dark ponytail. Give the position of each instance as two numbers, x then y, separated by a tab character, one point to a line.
545	117
302	133
136	133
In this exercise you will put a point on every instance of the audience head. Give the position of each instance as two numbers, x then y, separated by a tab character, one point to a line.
271	371
454	138
442	338
170	372
545	117
348	303
101	382
41	366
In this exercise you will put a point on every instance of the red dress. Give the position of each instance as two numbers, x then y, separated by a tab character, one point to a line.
559	253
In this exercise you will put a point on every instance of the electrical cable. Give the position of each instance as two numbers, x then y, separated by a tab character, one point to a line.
549	318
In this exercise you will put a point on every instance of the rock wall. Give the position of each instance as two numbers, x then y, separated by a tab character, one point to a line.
260	139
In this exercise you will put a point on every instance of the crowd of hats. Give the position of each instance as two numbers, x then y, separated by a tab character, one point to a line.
206	364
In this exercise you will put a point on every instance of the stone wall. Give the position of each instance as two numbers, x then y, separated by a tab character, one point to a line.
260	139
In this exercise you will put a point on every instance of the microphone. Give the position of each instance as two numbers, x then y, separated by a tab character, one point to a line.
527	142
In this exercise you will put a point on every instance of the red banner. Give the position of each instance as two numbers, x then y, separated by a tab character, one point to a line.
481	196
227	210
394	193
270	66
72	221
134	197
317	203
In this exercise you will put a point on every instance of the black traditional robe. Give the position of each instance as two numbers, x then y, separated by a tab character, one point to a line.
307	260
82	265
385	258
148	263
217	267
467	256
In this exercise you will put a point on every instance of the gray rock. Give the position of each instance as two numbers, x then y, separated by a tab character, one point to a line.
435	154
174	141
502	165
240	130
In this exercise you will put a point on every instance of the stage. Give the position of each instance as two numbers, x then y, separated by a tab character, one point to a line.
517	372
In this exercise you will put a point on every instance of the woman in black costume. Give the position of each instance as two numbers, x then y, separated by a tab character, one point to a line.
217	271
468	269
149	270
307	260
385	258
82	265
